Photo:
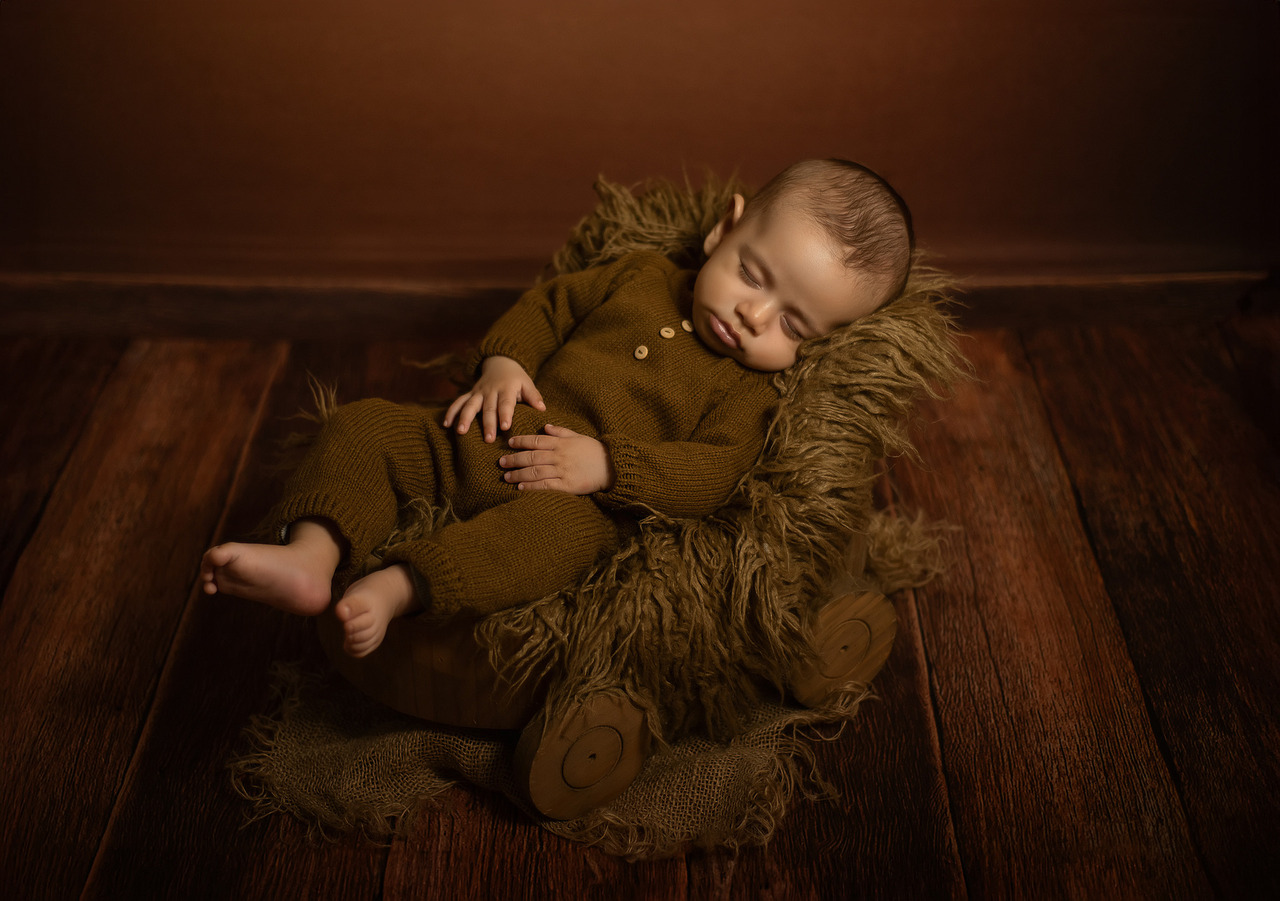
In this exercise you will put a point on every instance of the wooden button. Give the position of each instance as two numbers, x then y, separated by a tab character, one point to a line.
642	352
667	332
687	325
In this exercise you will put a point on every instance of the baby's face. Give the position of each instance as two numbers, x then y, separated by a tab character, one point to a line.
772	282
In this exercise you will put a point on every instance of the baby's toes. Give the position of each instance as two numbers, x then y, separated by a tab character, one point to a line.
216	557
360	627
359	646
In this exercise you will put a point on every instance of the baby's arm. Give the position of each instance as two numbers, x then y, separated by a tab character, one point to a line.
697	476
676	478
502	384
521	341
539	323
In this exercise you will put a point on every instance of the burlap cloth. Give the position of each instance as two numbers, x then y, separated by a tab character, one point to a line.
341	762
699	622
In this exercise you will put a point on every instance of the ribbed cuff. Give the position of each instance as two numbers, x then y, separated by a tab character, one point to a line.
626	472
502	347
343	511
435	577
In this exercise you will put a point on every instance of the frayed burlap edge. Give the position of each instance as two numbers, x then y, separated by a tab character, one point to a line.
768	763
266	774
310	756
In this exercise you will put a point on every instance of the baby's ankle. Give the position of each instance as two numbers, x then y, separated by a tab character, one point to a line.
400	590
318	538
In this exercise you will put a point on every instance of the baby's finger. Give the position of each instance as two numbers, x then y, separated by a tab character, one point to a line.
514	461
559	431
468	413
531	442
551	484
507	407
527	474
525	459
533	397
458	403
489	417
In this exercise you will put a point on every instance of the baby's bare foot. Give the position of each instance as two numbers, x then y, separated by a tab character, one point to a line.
289	577
371	603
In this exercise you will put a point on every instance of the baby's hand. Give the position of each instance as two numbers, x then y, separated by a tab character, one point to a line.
560	460
502	384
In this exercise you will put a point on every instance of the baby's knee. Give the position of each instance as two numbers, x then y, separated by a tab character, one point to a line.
363	409
371	416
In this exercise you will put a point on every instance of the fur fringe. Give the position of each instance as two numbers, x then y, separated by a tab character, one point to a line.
904	553
655	215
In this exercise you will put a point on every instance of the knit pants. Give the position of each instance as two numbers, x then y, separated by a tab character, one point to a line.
509	547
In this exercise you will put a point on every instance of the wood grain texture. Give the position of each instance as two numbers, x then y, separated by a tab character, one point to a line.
1254	344
1054	773
218	679
1179	492
474	847
90	611
49	389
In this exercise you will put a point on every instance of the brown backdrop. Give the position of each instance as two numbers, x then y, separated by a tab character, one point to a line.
418	138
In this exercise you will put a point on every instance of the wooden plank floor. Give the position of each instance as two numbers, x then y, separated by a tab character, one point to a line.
1083	707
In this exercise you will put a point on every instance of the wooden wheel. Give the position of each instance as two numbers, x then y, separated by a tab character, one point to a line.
584	760
853	636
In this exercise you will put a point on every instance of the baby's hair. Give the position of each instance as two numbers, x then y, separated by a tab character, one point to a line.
856	207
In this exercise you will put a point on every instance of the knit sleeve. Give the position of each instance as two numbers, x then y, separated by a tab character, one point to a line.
695	477
545	315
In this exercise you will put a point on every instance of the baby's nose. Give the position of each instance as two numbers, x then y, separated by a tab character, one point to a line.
754	313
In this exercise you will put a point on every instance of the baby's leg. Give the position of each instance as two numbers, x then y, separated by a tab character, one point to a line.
371	603
369	458
520	551
295	577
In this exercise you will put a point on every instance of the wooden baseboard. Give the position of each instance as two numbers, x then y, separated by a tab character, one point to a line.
139	306
231	309
1160	297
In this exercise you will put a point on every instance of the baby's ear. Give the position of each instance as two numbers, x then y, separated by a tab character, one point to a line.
725	225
